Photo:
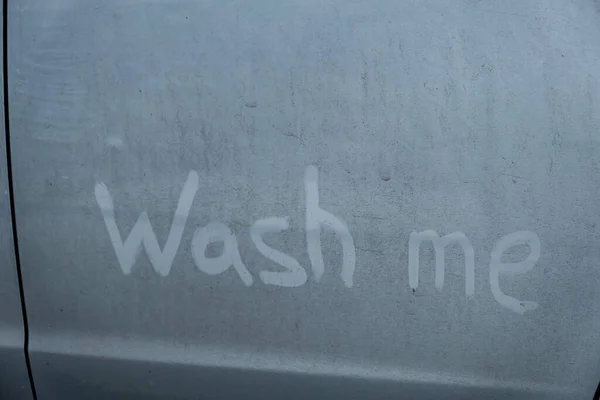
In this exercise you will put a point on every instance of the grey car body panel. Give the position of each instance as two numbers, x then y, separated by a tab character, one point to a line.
479	117
14	381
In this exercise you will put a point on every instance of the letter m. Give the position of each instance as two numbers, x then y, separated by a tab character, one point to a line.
439	245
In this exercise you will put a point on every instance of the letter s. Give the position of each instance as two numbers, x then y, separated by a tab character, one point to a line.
295	275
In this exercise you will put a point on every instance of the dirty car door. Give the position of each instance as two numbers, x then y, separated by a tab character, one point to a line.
312	199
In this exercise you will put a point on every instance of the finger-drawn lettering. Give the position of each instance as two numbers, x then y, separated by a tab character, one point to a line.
216	232
317	217
439	244
497	267
142	232
295	275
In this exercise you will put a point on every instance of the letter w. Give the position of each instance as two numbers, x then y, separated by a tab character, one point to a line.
142	232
